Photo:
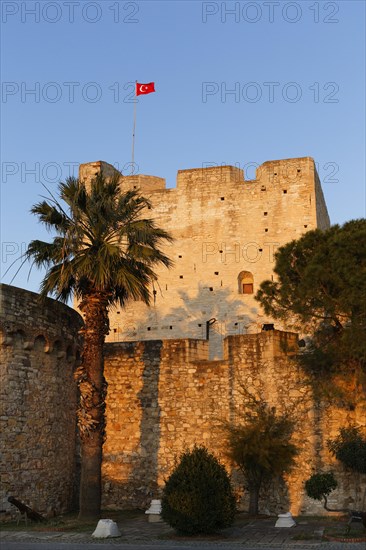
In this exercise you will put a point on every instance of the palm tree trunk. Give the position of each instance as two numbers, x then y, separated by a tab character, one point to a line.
91	417
91	482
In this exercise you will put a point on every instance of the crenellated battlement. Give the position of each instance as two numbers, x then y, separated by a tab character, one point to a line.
293	172
211	175
141	182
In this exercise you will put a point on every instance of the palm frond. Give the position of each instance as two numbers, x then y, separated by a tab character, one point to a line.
50	216
102	243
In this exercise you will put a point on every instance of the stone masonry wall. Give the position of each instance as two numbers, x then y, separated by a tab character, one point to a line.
38	353
165	396
222	226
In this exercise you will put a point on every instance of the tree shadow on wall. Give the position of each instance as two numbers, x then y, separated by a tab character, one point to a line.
141	485
232	315
253	385
274	497
150	419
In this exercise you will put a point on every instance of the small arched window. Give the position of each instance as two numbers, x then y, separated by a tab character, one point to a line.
245	282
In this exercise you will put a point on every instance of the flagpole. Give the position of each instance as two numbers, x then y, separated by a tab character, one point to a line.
133	131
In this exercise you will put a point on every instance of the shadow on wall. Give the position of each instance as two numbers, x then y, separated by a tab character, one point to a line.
229	316
274	496
234	316
141	485
150	419
196	310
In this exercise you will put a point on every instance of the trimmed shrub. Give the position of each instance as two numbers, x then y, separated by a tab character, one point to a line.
198	498
320	485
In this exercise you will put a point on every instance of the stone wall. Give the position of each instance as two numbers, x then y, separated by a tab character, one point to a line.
222	226
38	352
165	396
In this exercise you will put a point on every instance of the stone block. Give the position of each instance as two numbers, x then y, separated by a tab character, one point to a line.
154	511
106	528
285	520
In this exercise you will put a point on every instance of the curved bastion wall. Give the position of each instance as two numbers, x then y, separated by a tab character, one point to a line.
38	354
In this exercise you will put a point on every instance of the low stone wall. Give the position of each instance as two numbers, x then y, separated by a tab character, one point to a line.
38	352
164	396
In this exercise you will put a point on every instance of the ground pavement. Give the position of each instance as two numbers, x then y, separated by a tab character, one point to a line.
137	533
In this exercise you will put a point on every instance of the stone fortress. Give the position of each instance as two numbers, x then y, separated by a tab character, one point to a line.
174	370
226	231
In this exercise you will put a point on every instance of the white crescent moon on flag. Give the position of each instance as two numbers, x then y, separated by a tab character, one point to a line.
142	88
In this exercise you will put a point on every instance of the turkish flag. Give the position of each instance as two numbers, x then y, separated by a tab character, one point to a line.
142	89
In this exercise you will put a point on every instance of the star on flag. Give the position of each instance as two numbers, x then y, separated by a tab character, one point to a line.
142	89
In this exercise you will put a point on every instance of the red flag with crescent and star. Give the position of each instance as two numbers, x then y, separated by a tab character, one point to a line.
142	89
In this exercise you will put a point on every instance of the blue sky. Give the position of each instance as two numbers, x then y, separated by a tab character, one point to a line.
295	70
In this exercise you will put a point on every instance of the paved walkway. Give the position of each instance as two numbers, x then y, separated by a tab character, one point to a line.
258	533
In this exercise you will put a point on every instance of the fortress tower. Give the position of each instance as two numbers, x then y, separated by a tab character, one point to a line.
166	390
226	232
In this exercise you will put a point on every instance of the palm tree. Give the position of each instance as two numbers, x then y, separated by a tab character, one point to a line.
103	255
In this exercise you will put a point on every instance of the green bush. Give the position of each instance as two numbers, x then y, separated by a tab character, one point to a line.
198	498
320	485
259	442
